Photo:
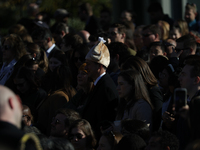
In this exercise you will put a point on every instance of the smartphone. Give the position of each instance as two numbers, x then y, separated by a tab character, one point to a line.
180	98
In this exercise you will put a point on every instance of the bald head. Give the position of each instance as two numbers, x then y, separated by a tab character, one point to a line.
10	107
5	93
85	35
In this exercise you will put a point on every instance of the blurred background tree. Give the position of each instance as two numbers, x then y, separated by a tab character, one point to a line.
12	10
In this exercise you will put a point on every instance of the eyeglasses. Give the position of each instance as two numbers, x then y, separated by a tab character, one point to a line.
82	59
6	47
78	136
147	35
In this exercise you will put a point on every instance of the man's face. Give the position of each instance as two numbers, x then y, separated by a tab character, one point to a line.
126	16
189	15
26	118
115	36
185	79
154	144
92	69
42	43
58	128
155	51
148	37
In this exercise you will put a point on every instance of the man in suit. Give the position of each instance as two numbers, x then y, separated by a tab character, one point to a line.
10	119
102	101
43	37
118	33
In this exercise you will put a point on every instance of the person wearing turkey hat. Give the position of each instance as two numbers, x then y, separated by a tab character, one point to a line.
103	100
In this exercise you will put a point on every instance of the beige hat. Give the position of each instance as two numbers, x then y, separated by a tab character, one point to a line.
99	54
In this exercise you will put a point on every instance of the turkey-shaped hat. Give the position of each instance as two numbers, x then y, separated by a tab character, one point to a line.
99	53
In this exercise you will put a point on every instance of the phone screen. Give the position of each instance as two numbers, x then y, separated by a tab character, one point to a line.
180	99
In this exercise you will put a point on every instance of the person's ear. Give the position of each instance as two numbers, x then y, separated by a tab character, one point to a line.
165	54
197	80
10	102
157	36
63	33
123	35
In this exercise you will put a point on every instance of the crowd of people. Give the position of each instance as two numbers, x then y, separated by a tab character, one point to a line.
110	86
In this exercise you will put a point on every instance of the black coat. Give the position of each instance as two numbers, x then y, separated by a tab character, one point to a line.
101	103
54	49
194	116
10	135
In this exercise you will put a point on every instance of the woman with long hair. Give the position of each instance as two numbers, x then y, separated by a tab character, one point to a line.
56	59
179	29
12	50
165	28
38	55
134	98
60	94
84	88
81	135
28	88
151	83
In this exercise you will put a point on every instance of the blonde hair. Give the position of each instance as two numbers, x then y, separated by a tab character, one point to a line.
183	26
165	27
